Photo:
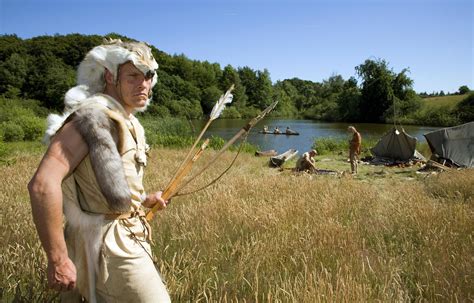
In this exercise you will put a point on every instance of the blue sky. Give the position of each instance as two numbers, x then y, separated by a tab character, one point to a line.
311	40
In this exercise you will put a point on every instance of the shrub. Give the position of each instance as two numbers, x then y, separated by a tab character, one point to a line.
216	142
330	145
12	132
3	150
438	116
170	140
231	113
33	127
23	114
165	126
466	109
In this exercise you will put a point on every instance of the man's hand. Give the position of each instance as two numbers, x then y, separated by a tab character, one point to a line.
62	275
152	199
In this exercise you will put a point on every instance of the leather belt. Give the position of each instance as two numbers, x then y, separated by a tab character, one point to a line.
127	215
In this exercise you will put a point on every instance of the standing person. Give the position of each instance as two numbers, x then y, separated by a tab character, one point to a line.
93	169
306	162
354	148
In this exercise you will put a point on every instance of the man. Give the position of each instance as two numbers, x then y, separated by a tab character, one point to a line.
306	162
93	169
354	148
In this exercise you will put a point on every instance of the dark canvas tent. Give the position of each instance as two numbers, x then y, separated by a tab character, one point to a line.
455	144
396	144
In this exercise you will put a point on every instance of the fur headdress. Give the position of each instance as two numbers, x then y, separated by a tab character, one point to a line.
90	75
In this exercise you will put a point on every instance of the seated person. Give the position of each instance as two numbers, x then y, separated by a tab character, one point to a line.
265	129
289	131
307	162
276	130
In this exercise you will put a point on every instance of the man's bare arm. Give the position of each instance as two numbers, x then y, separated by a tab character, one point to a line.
65	152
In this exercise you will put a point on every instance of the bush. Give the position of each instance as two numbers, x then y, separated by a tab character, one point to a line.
165	126
439	116
466	109
330	145
170	140
12	132
216	142
24	115
3	150
231	113
33	127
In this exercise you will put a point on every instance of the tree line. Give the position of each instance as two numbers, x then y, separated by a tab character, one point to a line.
43	68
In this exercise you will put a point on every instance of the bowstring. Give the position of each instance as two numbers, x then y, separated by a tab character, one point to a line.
222	174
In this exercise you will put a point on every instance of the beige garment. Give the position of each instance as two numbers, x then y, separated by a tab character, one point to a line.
112	265
353	158
305	162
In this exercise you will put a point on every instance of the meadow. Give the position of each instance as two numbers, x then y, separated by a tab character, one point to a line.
442	101
265	235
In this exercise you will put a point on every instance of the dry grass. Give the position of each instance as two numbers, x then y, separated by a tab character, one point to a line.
261	235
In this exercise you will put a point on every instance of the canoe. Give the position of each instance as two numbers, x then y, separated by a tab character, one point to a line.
293	133
278	161
266	153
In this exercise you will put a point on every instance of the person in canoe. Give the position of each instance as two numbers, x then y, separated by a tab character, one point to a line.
306	162
289	131
276	130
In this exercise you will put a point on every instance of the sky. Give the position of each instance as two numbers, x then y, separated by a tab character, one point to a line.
310	40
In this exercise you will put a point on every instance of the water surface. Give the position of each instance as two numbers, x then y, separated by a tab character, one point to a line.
309	131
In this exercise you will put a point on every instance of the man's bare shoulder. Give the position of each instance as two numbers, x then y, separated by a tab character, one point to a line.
68	146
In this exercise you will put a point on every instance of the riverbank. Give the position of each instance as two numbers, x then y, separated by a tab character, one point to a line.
261	234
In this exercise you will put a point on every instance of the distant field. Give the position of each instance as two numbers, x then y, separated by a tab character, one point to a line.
450	101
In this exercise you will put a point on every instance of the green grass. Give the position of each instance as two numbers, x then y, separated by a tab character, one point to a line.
443	101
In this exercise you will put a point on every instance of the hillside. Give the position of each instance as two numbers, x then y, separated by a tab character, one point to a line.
450	101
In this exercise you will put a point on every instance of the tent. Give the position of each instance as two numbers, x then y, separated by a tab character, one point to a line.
455	144
395	145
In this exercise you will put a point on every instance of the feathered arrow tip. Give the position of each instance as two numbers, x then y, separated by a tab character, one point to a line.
220	104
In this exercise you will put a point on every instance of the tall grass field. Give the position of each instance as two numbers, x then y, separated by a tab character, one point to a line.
442	101
265	235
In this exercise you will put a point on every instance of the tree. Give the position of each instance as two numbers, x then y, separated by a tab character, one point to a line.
13	72
463	90
465	109
284	93
249	81
209	97
349	102
263	90
377	92
229	77
49	80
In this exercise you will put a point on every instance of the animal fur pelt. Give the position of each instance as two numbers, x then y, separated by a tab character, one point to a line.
101	136
85	231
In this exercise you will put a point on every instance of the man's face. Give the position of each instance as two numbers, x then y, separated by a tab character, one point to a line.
133	86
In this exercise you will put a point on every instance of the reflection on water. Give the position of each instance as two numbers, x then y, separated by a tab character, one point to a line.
309	131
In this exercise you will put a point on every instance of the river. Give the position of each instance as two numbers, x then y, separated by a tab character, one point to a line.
309	130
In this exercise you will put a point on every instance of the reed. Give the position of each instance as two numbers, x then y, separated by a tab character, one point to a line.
263	235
